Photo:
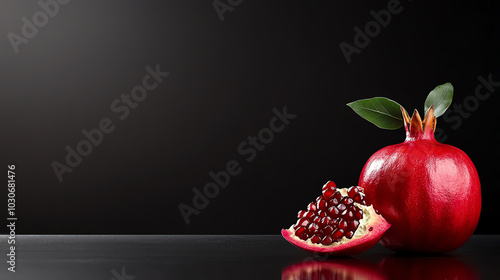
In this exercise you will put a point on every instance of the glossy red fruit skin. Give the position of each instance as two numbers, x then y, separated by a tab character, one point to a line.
428	191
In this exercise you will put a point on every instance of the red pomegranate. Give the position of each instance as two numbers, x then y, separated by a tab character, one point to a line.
428	191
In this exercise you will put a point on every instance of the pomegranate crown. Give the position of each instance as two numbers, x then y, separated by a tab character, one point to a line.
416	128
388	114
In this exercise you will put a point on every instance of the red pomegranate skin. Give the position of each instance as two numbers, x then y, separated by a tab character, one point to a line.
428	191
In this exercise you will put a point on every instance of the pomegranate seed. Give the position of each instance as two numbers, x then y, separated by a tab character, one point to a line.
322	214
316	219
335	222
328	230
334	212
313	228
302	222
353	191
343	213
308	214
337	234
295	226
337	195
353	225
341	207
328	194
321	204
347	201
357	198
358	214
342	224
301	214
325	221
327	240
312	207
301	233
333	201
348	215
315	239
330	185
370	229
349	234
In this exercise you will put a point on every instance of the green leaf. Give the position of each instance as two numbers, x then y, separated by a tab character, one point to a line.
441	98
380	111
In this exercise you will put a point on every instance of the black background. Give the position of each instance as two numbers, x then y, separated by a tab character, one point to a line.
225	79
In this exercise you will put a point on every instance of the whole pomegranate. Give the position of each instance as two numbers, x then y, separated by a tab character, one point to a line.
428	191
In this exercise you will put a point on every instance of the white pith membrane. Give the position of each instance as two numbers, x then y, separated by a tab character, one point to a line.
360	231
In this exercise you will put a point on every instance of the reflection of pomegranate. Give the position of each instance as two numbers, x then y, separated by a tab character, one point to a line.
332	270
338	222
428	191
428	268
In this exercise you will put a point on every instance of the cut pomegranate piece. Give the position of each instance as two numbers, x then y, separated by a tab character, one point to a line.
339	225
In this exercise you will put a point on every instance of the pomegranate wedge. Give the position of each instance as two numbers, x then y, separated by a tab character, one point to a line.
337	223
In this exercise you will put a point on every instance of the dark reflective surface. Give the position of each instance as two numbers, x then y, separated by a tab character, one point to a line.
392	267
233	257
431	267
345	268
